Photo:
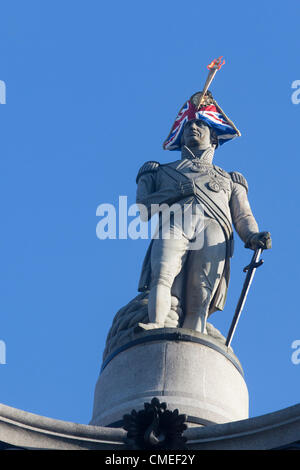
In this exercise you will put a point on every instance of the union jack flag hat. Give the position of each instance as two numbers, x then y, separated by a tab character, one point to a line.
210	112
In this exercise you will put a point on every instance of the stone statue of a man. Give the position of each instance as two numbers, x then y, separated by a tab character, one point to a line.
197	276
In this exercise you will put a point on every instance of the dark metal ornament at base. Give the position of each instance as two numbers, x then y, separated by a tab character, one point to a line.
155	428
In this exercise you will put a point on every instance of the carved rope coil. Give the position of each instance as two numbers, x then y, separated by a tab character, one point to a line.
136	311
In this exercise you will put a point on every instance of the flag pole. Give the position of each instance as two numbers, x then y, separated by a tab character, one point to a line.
213	67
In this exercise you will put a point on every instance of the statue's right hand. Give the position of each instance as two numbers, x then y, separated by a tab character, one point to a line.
187	188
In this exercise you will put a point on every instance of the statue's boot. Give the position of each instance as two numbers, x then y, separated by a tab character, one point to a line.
148	326
196	322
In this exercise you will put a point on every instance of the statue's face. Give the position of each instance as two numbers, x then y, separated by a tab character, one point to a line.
196	134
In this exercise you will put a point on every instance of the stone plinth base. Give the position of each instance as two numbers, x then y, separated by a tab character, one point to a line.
188	370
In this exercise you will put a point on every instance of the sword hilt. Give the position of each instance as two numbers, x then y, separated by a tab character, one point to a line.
254	263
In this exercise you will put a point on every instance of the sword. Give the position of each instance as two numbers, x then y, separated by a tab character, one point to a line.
250	270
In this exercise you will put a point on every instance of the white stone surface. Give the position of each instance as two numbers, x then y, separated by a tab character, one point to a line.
195	378
31	431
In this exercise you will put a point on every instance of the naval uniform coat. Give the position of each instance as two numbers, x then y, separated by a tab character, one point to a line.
222	195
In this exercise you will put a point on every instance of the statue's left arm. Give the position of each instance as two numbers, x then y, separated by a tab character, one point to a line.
243	219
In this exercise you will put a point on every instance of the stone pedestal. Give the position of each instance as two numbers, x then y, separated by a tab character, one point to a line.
192	372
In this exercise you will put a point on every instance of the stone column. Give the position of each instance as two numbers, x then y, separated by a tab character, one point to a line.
190	371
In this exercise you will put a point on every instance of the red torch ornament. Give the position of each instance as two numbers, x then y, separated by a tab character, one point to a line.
213	67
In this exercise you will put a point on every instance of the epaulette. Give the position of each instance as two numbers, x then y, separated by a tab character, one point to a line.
221	171
239	178
148	167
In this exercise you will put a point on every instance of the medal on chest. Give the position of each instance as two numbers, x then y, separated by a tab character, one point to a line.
216	182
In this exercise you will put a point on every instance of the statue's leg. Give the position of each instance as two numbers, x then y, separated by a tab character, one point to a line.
204	269
167	259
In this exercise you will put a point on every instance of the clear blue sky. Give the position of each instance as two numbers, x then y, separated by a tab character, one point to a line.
93	88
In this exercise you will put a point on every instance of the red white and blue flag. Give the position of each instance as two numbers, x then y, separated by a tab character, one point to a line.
213	117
